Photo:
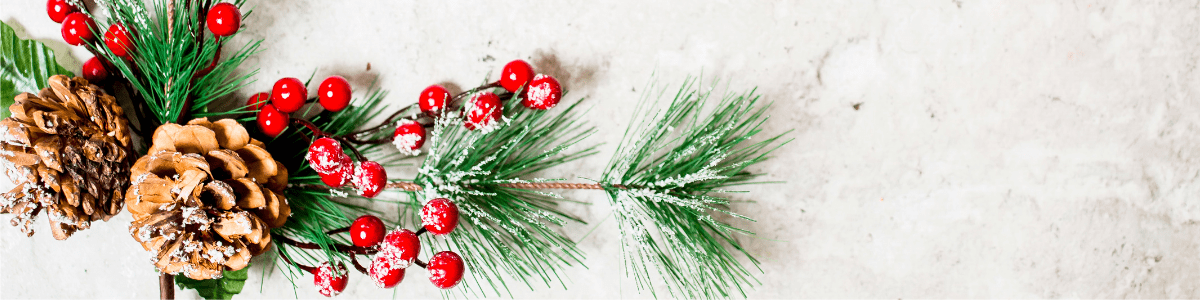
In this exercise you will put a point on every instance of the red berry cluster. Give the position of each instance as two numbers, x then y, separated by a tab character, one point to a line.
78	29
397	250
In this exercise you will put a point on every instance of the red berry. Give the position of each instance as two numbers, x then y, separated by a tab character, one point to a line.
334	93
93	70
369	178
445	269
271	121
325	155
339	177
384	273
224	19
400	247
78	28
330	280
117	39
544	93
485	110
289	94
515	74
59	9
433	99
440	216
366	231
257	101
409	137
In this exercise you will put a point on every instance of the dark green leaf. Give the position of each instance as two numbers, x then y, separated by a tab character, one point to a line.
225	287
25	66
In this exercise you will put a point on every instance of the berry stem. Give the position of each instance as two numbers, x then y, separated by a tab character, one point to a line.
336	247
337	231
420	231
358	266
454	104
420	263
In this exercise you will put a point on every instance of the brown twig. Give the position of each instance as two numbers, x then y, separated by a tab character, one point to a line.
166	286
413	187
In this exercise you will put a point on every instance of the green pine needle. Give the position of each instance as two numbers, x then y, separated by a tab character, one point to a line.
667	183
505	233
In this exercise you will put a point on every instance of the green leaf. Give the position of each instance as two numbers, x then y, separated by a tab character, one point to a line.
229	284
25	66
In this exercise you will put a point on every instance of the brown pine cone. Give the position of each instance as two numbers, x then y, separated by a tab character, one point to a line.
206	198
67	148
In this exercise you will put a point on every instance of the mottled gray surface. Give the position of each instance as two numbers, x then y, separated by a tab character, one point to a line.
998	149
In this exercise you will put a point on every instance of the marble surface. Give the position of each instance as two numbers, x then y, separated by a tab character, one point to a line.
1015	149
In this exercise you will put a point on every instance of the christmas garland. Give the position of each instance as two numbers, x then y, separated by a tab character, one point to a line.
296	177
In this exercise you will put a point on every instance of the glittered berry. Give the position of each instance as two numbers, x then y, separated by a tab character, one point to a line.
117	40
409	137
334	93
78	28
257	101
385	274
369	178
400	247
224	19
434	99
544	92
271	121
289	95
440	216
515	74
325	155
93	70
59	9
367	231
484	111
340	177
331	280
445	269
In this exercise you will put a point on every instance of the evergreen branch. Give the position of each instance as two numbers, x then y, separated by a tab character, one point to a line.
505	232
676	163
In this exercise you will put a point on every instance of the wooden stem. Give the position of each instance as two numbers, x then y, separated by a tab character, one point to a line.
166	286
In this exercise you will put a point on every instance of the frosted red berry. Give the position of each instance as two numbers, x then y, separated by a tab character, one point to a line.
78	28
409	137
440	216
271	121
338	178
331	280
483	111
433	99
334	93
369	178
544	92
224	19
367	231
117	40
288	95
445	269
59	9
384	273
515	74
257	101
325	155
94	71
400	247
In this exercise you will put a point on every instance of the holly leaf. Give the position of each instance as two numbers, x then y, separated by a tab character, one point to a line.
229	284
25	66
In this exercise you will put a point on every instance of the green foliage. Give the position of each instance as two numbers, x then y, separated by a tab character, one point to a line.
229	284
504	232
25	67
169	51
667	183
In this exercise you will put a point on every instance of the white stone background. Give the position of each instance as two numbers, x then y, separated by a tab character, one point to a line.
1014	149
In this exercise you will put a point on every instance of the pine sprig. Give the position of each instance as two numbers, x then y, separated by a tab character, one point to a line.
667	184
505	232
170	55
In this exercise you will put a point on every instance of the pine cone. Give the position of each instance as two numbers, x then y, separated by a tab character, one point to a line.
206	197
67	148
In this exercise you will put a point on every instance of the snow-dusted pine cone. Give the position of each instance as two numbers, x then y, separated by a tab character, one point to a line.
205	198
68	151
